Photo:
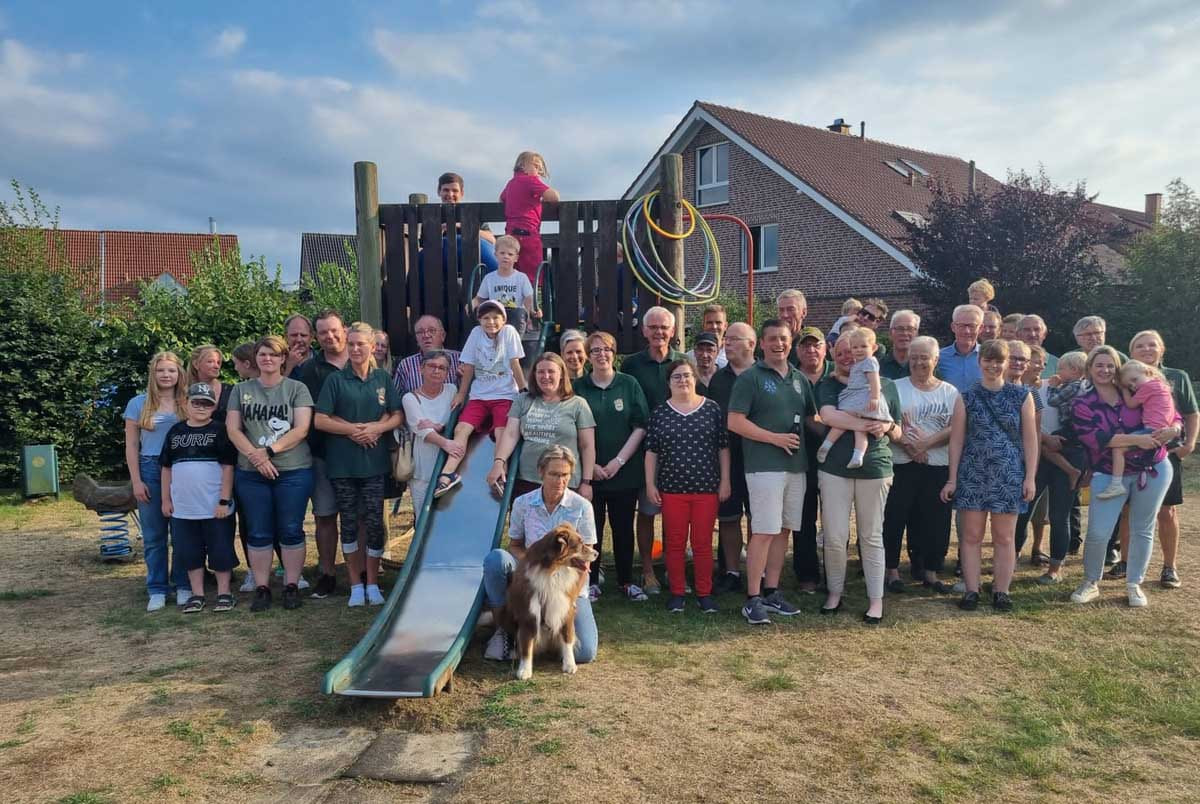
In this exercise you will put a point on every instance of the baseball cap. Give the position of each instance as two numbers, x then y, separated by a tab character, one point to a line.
706	337
811	332
492	305
201	390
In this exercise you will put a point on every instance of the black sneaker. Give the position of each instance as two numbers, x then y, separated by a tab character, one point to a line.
291	596
969	602
707	605
1112	557
1116	572
776	604
325	587
262	599
728	583
755	612
1169	579
1001	601
675	603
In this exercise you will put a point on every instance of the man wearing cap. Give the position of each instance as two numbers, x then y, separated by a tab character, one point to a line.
713	320
904	327
705	352
810	354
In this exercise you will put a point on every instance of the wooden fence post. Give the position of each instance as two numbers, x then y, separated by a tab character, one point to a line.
366	212
670	218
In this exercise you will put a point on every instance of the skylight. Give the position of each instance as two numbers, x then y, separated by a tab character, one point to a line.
922	171
898	168
915	218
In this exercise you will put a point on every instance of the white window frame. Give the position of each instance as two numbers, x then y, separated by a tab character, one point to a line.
716	184
759	268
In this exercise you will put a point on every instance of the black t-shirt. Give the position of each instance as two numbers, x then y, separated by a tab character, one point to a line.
185	443
687	446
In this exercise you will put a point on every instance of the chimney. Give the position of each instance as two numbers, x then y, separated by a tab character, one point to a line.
912	178
862	129
212	225
971	177
839	127
1153	206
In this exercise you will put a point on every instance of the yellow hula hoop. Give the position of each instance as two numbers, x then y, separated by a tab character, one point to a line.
676	298
650	220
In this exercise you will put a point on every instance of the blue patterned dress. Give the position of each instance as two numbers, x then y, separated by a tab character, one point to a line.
992	467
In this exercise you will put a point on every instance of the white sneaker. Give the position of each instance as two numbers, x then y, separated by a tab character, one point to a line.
374	596
358	596
1137	598
1086	593
497	649
157	602
181	596
301	584
248	582
1111	490
960	587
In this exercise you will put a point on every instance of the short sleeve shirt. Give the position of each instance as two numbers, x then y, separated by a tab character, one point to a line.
492	360
961	371
617	410
930	412
530	520
313	373
687	446
511	291
892	368
1181	388
195	456
651	375
546	424
877	463
522	199
356	400
775	403
150	442
268	414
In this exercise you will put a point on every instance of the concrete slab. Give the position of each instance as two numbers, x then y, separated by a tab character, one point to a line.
350	791
309	756
426	758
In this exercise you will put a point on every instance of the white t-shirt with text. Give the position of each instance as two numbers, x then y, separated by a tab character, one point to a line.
492	361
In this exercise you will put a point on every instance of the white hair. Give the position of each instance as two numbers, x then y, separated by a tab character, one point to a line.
907	314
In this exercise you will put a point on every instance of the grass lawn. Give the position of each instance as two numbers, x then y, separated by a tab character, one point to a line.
102	702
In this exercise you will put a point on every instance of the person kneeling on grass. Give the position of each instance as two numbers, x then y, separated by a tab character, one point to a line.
491	369
197	482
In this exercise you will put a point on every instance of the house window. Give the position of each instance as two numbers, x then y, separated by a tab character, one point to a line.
766	248
712	174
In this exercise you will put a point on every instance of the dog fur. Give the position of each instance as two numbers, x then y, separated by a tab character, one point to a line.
540	608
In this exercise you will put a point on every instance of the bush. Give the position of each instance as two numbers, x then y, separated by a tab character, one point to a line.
334	288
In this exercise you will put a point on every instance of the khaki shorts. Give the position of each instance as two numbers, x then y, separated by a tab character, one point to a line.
776	500
324	502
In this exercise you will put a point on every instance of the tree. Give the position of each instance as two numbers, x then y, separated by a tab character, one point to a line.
333	287
1032	240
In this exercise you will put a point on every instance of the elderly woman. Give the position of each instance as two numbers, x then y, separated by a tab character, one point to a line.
993	461
619	409
549	415
535	514
359	407
148	417
574	353
1103	421
921	466
1149	348
268	421
204	365
426	410
865	488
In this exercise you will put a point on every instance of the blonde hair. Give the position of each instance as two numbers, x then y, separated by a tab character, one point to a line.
510	241
1103	349
1153	333
982	286
851	306
363	328
865	334
555	452
1012	318
1076	361
1138	367
195	357
603	337
1036	351
525	157
273	342
1019	346
154	395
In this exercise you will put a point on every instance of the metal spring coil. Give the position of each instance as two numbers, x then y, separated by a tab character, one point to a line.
115	542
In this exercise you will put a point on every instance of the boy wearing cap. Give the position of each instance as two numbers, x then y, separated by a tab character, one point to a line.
490	366
197	481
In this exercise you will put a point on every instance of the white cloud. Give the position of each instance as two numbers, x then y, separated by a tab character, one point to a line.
426	54
511	12
228	42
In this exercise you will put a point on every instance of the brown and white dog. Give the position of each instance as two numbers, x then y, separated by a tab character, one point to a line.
540	607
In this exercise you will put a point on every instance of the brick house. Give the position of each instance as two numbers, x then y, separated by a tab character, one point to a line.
826	206
318	247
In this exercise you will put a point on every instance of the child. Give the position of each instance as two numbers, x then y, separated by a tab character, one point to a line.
980	293
861	396
508	287
522	198
850	308
1059	392
490	365
243	363
197	480
1143	387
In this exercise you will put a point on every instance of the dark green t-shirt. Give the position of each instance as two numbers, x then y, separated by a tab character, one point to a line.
618	410
773	401
877	462
891	368
313	373
355	400
1182	390
720	388
651	375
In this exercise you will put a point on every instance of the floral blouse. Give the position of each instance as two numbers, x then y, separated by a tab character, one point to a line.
1096	422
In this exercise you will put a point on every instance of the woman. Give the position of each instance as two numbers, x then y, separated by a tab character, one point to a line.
619	409
268	421
359	407
549	415
1102	421
687	475
1149	348
993	460
148	417
864	488
921	463
204	365
1037	509
533	516
572	347
426	410
383	352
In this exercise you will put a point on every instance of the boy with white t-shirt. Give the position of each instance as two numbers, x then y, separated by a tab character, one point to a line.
508	286
490	366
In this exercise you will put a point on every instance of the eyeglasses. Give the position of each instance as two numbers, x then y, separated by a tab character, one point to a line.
436	367
904	329
421	332
600	350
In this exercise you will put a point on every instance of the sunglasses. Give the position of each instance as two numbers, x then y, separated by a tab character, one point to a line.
869	316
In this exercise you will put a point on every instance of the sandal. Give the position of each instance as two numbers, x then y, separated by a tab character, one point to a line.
194	604
445	482
225	603
1039	559
895	585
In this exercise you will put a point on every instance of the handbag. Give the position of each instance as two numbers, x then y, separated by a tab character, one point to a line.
402	456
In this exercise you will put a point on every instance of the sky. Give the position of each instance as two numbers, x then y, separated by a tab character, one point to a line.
156	116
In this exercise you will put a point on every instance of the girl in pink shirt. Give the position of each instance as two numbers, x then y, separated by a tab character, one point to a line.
1144	387
522	198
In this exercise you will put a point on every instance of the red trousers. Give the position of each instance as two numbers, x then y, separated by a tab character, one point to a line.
681	512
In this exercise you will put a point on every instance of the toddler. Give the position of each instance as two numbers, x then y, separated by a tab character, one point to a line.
522	198
1143	387
1059	392
862	396
850	309
508	287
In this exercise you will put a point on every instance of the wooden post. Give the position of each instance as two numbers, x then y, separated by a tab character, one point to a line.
418	198
670	218
370	250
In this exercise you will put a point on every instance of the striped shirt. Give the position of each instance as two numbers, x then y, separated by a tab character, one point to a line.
408	372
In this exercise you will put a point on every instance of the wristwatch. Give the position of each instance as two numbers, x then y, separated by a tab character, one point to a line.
225	502
270	452
619	460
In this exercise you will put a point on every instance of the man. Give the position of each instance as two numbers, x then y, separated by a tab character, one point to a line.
450	191
812	364
990	329
739	344
713	320
872	314
649	368
792	307
1090	332
1033	332
904	327
430	335
958	363
705	358
331	334
298	330
769	405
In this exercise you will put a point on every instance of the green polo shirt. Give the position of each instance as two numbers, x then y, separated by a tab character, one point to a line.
313	373
356	400
772	401
1182	390
618	410
892	368
651	375
877	462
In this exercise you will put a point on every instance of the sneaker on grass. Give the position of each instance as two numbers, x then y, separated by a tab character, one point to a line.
755	612
1086	593
291	596
1137	598
707	605
499	647
262	599
156	602
634	592
675	604
325	587
302	584
182	596
248	584
1169	579
374	596
1001	601
593	593
358	596
1117	571
777	604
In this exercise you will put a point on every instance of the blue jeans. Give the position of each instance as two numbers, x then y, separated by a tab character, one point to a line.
274	507
498	567
156	534
1143	513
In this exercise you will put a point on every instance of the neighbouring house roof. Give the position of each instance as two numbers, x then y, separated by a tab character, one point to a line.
316	248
